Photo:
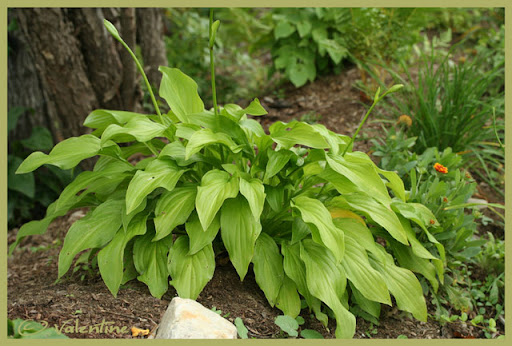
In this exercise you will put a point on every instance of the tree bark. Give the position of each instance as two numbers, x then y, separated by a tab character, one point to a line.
150	28
63	64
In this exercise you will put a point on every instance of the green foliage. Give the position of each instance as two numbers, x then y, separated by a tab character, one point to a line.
29	194
289	201
241	328
23	329
455	105
306	42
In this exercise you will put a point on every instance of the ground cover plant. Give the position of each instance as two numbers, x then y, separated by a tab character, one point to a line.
298	203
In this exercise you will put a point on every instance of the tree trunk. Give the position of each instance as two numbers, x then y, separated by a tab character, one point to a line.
63	64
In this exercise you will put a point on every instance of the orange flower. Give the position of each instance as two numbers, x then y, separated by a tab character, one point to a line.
445	200
432	222
440	168
405	119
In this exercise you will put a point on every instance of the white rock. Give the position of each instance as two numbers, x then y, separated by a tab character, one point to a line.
187	319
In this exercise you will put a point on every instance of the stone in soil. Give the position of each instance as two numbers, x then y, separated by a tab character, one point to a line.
187	319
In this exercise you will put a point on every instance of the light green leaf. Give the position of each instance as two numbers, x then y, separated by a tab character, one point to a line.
40	226
403	285
369	306
205	137
190	273
139	127
310	334
94	230
287	324
65	155
283	29
102	118
288	135
198	237
150	259
268	267
394	183
216	187
326	280
361	173
180	92
111	257
254	193
304	28
407	259
379	213
173	209
300	230
255	108
276	162
213	33
288	300
324	231
358	232
359	271
159	173
295	269
239	232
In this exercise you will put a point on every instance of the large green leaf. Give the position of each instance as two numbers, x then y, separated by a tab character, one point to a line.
101	118
359	271
323	229
359	232
159	173
150	259
295	269
378	212
288	300
288	135
65	155
139	127
205	137
99	180
176	151
198	237
326	280
239	232
268	267
403	285
276	162
422	216
173	209
40	139
190	273
254	192
361	173
180	92
94	230
216	187
40	226
111	257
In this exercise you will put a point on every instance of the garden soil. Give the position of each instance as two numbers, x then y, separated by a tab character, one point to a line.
82	299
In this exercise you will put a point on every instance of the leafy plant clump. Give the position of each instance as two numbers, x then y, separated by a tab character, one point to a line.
298	203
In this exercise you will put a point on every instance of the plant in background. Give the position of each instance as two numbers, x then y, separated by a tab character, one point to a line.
297	203
451	107
30	194
309	41
446	192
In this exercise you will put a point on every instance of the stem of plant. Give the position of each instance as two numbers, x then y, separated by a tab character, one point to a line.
360	126
212	67
141	70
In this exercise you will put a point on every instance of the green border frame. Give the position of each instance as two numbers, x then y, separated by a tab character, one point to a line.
261	3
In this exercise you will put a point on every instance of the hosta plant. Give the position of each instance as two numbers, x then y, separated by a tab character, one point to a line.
298	203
